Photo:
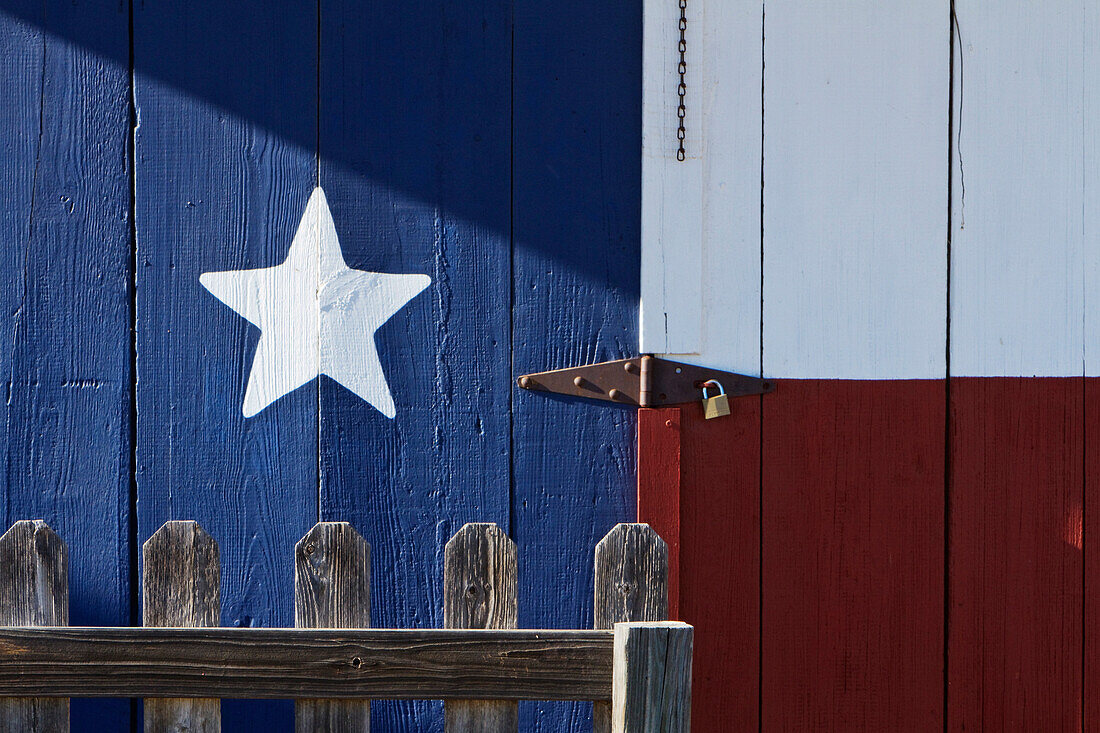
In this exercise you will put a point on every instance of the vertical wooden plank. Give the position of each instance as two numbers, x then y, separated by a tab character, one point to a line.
1016	308
64	275
1090	517
415	157
672	189
332	590
720	559
575	264
631	584
700	237
34	591
1090	183
1018	311
479	592
226	104
853	555
855	191
854	287
660	487
1091	498
631	576
181	587
1016	596
651	691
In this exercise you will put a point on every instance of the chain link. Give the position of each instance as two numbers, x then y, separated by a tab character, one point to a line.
681	89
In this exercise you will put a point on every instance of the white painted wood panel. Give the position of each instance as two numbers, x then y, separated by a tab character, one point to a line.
1018	247
701	217
1091	169
855	189
671	316
855	116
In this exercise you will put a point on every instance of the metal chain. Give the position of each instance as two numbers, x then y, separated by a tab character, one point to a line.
681	90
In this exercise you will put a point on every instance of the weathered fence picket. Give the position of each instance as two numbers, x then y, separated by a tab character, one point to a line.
181	587
332	590
333	663
651	690
34	591
479	592
631	585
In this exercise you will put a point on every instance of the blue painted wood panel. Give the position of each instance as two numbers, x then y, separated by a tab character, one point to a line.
415	160
577	132
64	308
492	145
227	106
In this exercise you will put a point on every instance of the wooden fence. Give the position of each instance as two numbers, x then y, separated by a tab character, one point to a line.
634	665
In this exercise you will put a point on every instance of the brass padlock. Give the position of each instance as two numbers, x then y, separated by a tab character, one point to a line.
717	406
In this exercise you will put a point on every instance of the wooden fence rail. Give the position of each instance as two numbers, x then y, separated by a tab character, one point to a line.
634	665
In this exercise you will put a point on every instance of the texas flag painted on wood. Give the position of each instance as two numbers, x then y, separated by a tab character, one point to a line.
265	263
905	237
270	262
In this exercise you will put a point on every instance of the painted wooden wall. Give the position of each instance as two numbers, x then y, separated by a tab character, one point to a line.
890	208
898	225
491	145
65	279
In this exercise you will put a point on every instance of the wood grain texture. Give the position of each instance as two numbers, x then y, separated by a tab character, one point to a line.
1090	169
652	678
1090	559
287	663
332	590
64	276
575	270
34	580
181	582
34	591
226	104
720	560
479	592
1024	78
631	576
659	486
853	555
700	238
1018	179
701	478
631	579
854	287
1091	498
672	189
415	151
855	257
1015	654
181	587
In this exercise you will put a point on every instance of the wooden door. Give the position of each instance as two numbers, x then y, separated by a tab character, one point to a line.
489	147
897	226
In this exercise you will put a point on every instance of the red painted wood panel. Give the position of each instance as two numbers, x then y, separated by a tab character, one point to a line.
716	519
853	563
1015	633
853	555
1090	559
659	487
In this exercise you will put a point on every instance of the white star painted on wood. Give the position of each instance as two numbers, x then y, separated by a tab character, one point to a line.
316	315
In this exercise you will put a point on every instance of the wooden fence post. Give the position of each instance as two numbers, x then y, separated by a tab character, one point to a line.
332	590
651	688
180	587
479	592
34	591
631	585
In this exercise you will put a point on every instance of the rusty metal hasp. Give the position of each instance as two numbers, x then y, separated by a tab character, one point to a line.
645	381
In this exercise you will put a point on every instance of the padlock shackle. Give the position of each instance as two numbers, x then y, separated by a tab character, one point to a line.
716	383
